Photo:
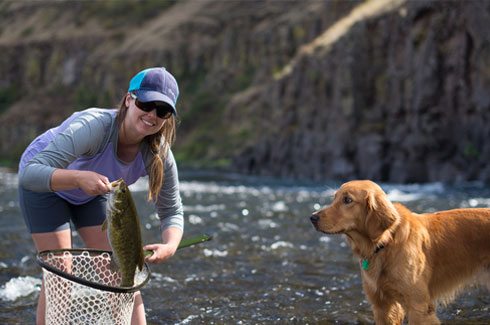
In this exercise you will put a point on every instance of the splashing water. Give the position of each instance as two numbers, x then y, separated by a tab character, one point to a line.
19	287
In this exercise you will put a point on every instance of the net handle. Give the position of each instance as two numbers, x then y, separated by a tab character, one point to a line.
78	280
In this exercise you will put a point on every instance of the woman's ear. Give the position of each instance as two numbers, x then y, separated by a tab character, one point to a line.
381	217
128	99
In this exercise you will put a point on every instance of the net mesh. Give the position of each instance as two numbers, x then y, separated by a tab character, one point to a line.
81	288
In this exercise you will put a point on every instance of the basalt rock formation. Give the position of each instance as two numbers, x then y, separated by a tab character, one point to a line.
401	96
388	90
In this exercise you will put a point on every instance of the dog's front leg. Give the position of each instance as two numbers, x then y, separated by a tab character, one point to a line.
386	308
423	313
388	314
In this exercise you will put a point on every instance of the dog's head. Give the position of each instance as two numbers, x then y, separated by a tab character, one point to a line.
359	206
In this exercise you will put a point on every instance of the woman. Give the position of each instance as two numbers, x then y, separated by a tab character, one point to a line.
65	172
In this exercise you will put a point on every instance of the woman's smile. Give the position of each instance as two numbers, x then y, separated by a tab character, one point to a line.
150	123
147	122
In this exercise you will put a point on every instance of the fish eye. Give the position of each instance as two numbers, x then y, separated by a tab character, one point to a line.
123	190
346	200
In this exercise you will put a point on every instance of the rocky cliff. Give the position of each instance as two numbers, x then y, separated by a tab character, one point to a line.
402	96
386	90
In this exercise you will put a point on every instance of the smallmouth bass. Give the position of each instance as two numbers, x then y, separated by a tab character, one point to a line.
124	232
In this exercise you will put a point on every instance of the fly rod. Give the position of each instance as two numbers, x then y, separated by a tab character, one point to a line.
187	242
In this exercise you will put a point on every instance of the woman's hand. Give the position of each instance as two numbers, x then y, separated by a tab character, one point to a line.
161	252
90	182
93	183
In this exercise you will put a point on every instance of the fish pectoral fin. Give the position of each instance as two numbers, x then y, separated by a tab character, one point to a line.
104	225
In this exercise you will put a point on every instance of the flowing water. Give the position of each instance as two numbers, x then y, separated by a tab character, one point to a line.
265	265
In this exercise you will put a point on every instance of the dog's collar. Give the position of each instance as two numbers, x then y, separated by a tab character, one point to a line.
378	248
365	262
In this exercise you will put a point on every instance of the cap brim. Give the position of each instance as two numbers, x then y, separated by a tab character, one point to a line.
154	96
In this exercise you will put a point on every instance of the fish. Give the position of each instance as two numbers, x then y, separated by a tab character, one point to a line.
124	233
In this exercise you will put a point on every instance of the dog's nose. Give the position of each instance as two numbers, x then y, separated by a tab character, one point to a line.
314	218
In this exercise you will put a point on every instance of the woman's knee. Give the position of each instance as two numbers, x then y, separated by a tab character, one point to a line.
94	237
52	240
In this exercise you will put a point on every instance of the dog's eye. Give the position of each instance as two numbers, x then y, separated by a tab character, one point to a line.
346	200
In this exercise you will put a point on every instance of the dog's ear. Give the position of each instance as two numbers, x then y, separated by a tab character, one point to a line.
381	217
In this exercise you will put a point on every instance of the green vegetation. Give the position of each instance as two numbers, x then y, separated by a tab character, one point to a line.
27	31
244	79
33	71
4	5
85	96
9	95
298	33
470	151
12	157
203	145
204	139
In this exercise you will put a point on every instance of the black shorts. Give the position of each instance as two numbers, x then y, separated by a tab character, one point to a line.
47	212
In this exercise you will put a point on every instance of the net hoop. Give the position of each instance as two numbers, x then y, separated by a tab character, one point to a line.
43	256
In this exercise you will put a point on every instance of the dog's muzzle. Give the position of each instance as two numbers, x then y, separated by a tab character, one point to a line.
314	219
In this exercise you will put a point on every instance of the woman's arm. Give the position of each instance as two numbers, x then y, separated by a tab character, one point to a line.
171	214
90	182
86	134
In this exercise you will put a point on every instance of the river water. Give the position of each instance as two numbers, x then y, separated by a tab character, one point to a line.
265	264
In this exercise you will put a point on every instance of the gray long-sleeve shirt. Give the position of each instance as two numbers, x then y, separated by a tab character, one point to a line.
87	140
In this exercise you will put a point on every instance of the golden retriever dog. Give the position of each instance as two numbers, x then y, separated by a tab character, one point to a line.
409	262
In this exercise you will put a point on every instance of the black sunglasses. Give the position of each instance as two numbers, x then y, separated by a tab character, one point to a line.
164	110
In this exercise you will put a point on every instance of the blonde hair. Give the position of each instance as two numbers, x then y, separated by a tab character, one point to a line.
159	145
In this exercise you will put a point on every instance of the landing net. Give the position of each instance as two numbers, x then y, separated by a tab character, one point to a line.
81	288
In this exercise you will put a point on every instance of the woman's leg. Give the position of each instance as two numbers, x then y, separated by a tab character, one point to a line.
88	219
47	217
138	317
94	237
47	241
52	240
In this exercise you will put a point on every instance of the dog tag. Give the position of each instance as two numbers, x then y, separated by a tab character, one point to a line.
365	264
